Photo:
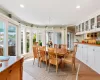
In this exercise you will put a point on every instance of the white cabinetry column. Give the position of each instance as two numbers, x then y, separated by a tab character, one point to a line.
24	40
66	36
37	35
43	38
18	41
62	38
30	41
6	40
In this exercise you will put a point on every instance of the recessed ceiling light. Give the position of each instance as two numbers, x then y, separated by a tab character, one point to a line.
21	5
77	6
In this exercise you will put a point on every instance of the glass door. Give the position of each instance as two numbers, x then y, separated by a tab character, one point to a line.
2	29
12	40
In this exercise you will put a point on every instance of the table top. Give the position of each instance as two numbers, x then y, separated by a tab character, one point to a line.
8	63
58	51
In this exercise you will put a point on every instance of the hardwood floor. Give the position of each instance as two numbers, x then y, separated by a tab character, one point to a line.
86	73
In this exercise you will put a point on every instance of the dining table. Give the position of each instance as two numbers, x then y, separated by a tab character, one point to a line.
60	53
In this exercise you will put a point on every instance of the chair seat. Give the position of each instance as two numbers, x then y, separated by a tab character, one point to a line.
43	59
53	61
68	60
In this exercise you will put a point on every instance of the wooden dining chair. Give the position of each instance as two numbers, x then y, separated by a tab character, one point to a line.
35	54
53	58
35	43
43	56
55	46
63	46
70	59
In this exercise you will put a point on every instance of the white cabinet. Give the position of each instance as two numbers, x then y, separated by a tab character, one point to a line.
91	56
85	54
79	52
97	59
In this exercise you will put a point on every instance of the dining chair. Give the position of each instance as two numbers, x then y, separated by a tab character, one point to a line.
35	43
63	46
43	56
55	46
70	59
35	54
53	58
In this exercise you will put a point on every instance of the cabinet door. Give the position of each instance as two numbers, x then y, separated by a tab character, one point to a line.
79	52
97	59
85	55
14	74
91	57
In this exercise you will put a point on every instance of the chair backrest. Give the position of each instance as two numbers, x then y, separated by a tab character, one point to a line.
51	53
63	46
55	46
35	51
35	43
42	50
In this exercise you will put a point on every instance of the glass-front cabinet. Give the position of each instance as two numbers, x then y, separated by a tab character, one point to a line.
82	27
92	23
86	25
79	28
98	21
89	26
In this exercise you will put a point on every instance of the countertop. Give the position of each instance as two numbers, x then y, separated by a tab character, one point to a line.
11	61
87	44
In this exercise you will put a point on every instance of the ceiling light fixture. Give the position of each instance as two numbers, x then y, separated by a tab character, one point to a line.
77	6
21	5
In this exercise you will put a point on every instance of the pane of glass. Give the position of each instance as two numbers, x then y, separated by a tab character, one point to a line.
27	45
1	37
98	21
12	40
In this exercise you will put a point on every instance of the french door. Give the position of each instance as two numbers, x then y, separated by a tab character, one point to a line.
2	37
12	39
8	38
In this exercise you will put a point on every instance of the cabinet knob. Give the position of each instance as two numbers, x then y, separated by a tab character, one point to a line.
10	71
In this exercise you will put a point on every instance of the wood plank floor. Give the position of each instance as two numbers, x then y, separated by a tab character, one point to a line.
86	73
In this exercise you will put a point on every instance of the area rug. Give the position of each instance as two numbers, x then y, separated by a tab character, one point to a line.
42	74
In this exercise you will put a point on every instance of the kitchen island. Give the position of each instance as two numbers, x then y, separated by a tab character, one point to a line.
11	69
89	54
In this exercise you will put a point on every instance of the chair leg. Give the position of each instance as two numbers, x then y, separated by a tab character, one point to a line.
33	61
74	66
56	68
46	64
49	68
40	63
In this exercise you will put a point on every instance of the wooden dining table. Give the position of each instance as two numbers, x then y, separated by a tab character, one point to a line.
60	53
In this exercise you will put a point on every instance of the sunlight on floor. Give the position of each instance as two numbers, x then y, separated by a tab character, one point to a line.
26	76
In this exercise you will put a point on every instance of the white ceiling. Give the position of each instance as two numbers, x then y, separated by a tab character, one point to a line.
61	12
